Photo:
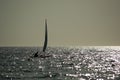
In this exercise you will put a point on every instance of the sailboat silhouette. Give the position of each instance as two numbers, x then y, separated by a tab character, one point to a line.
45	44
46	37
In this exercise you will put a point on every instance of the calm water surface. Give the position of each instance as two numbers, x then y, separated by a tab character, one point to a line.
63	64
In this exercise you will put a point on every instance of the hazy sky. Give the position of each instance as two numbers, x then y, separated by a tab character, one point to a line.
70	22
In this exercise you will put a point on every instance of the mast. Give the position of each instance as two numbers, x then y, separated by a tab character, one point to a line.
46	37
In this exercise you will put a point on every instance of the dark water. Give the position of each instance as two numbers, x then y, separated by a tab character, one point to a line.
64	64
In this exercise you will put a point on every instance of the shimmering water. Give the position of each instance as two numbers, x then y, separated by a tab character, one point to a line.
64	64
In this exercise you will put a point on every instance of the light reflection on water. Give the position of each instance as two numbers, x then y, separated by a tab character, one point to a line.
65	64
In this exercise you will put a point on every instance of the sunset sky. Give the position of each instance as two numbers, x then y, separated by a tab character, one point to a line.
70	22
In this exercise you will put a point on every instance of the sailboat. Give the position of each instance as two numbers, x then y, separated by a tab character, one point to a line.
44	55
46	37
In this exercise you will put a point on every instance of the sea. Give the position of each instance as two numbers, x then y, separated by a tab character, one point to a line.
62	63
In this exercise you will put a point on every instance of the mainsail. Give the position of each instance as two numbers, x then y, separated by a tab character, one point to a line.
46	37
